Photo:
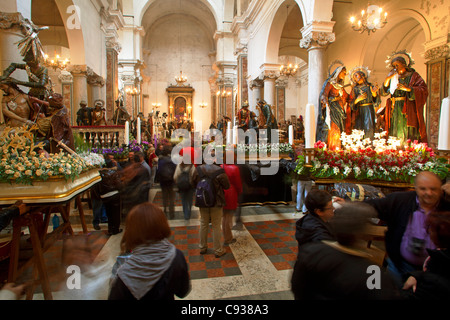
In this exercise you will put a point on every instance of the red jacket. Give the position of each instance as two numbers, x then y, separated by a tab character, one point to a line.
232	193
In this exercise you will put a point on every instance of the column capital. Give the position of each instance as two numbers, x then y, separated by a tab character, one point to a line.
113	44
442	51
255	84
270	71
94	79
65	77
11	20
317	34
281	83
78	69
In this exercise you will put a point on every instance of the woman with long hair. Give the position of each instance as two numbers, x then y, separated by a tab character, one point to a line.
151	267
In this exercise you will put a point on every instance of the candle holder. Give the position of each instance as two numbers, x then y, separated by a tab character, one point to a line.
309	156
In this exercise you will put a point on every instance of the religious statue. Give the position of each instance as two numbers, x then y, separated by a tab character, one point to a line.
244	117
32	53
84	115
408	94
300	129
267	119
121	114
99	113
364	98
331	120
55	125
16	106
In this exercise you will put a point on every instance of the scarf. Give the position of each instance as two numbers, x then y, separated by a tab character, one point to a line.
145	266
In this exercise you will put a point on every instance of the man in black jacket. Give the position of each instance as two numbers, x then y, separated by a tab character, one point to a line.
313	226
404	213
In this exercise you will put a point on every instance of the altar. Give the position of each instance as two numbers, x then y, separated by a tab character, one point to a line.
43	199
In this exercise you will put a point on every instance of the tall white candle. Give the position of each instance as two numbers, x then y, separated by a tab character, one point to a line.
291	134
235	135
229	133
127	133
138	130
310	126
444	132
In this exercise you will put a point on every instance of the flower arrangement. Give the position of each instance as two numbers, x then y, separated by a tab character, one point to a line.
386	160
122	152
24	161
265	147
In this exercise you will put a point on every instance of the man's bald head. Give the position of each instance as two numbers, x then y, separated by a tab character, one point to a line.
428	187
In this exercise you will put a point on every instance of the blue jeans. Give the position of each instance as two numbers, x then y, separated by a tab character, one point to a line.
186	201
398	273
98	211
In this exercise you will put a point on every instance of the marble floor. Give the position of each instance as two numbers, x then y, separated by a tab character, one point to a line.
258	266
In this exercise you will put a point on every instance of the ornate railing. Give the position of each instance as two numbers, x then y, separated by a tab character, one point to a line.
101	136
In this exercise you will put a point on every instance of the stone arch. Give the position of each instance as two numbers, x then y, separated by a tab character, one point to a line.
141	7
73	23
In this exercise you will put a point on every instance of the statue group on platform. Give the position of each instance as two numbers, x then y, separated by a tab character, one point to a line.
402	117
40	108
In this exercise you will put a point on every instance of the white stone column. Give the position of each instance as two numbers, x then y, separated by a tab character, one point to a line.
269	90
316	36
254	94
10	34
80	91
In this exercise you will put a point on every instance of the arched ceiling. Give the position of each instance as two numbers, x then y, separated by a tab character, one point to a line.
46	13
291	35
192	8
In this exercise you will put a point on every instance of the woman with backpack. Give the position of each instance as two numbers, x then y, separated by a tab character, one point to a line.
165	173
183	180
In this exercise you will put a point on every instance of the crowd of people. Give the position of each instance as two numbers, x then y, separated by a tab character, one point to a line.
331	263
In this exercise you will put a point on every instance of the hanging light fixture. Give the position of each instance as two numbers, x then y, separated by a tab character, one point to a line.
55	62
371	20
288	70
156	104
203	104
180	79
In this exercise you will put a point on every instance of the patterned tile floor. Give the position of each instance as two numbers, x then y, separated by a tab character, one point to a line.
203	266
277	240
257	265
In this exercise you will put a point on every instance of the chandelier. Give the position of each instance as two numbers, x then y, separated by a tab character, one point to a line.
288	70
203	105
371	20
56	62
133	91
181	79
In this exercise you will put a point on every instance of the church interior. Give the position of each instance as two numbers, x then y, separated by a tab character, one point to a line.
131	72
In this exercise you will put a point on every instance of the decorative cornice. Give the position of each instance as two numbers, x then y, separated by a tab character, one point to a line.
65	77
281	83
94	79
255	84
442	51
11	20
320	39
317	33
111	43
77	69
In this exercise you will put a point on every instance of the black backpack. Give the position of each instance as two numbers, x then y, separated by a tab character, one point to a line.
184	180
205	192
